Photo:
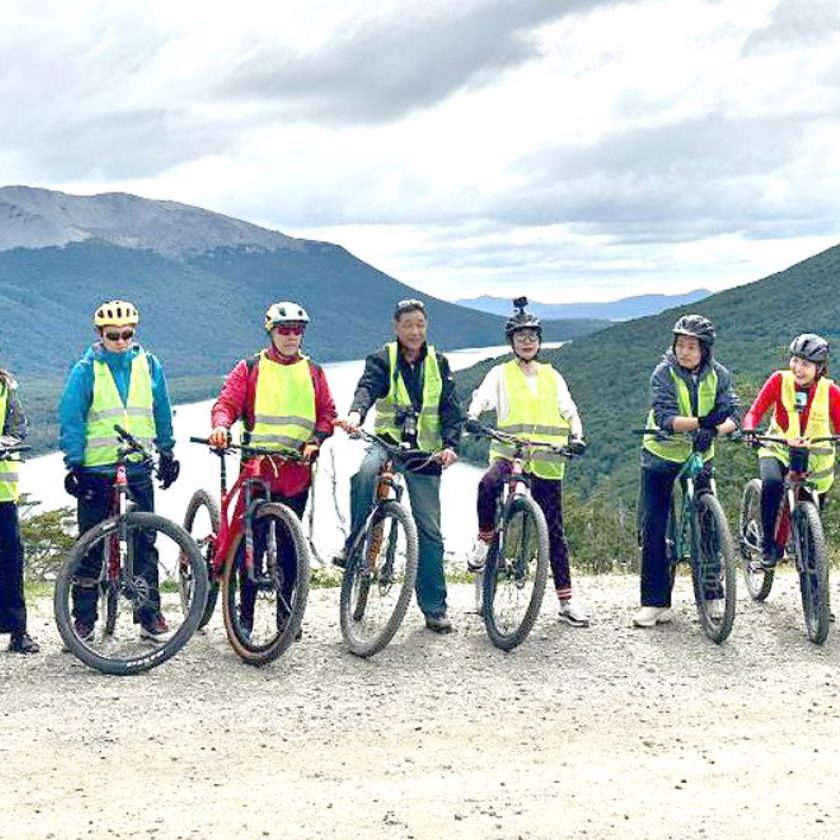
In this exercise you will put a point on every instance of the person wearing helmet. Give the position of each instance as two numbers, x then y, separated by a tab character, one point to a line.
806	404
528	395
12	603
411	386
284	403
691	397
116	380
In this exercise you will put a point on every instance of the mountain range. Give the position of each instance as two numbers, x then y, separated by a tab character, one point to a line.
622	309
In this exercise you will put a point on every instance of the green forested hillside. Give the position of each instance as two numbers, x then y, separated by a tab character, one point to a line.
201	314
608	375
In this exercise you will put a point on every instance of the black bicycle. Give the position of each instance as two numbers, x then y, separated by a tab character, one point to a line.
382	558
512	584
129	565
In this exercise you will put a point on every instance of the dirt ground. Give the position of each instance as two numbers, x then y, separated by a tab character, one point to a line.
581	733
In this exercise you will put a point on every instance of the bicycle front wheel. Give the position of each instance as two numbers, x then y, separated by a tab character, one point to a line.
202	522
758	579
515	573
713	569
379	579
116	601
812	565
265	596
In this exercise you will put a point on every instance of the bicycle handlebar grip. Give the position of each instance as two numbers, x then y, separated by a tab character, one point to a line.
473	427
204	440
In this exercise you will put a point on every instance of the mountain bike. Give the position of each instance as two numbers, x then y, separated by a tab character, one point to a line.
381	564
798	534
264	585
128	569
510	589
697	532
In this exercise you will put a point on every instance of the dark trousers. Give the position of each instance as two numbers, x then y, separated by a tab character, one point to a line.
94	505
12	606
548	494
286	554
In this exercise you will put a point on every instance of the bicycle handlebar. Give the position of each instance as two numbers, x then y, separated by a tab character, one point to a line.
250	451
131	444
476	428
756	434
397	452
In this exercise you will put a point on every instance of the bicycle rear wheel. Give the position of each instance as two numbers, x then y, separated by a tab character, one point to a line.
264	604
812	565
713	569
758	579
515	573
142	623
379	579
202	522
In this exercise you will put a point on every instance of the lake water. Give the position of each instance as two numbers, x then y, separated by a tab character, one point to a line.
43	477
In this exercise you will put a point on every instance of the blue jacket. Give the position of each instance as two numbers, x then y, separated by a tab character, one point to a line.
78	396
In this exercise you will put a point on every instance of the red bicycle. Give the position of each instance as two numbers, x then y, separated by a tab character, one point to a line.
265	586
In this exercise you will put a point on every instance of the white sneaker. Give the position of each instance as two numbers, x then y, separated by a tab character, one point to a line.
651	616
572	612
716	608
478	556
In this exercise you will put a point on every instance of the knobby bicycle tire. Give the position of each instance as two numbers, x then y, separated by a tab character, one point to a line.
504	578
286	628
206	543
371	585
751	535
812	565
713	568
130	661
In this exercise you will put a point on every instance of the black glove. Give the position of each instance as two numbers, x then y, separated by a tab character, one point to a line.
168	469
72	482
712	420
577	446
703	440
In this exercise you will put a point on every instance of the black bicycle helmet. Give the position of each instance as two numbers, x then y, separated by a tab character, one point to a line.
810	346
522	320
697	326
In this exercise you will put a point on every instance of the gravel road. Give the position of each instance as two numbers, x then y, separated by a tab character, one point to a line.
581	733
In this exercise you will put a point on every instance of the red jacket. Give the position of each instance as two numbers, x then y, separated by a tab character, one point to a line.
771	395
236	402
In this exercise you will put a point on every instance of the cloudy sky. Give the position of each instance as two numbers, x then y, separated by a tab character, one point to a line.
568	149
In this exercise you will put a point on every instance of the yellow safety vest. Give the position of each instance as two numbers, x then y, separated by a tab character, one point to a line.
10	466
678	448
821	456
107	409
397	400
533	416
284	406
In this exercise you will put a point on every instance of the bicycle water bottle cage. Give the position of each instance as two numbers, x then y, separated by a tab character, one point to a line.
799	459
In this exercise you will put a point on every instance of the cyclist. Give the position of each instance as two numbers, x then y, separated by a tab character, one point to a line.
806	404
411	385
690	392
116	382
12	604
284	402
530	398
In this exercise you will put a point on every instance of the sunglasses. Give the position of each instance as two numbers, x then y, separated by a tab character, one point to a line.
125	335
297	329
410	305
527	335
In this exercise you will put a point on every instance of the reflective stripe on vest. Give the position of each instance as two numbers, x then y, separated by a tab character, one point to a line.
678	447
284	406
397	399
533	416
820	457
107	409
10	466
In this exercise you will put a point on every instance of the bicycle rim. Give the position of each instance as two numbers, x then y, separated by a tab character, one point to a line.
759	580
202	522
378	582
264	604
812	565
117	605
713	569
515	574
